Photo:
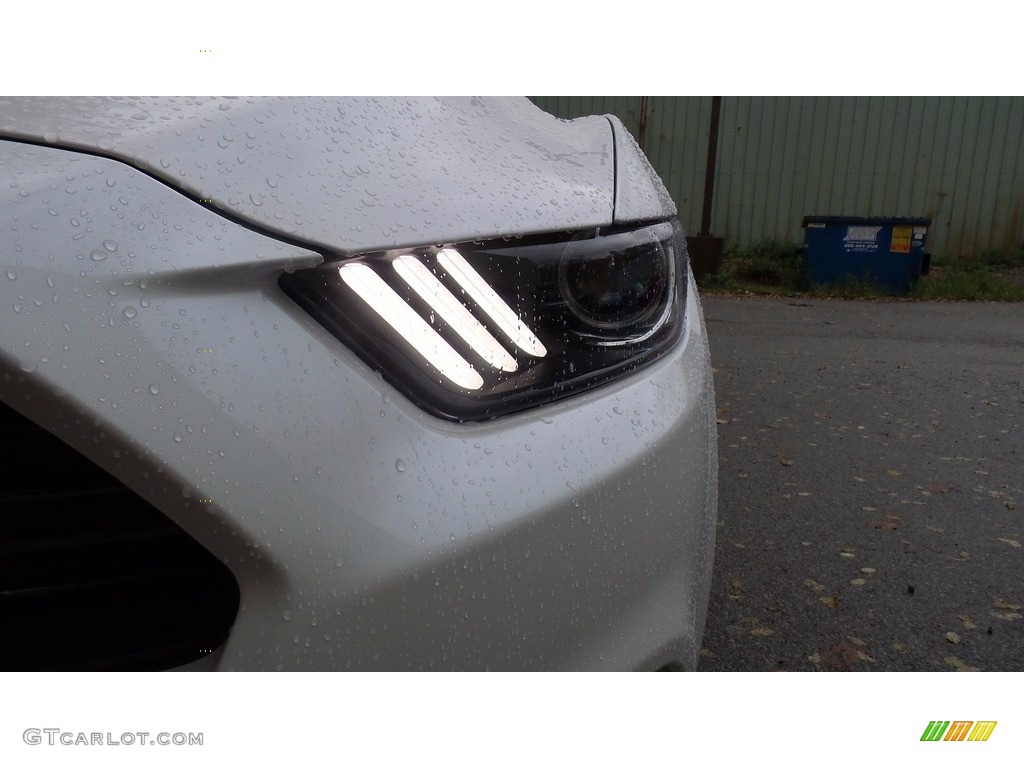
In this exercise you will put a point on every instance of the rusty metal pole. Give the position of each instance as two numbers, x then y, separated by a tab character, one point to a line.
706	251
709	176
641	138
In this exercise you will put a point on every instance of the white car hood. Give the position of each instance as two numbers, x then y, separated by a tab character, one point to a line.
358	174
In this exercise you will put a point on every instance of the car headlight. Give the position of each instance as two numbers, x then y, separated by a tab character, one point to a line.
470	331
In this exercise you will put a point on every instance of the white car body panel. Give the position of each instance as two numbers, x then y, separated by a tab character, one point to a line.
639	191
149	333
352	175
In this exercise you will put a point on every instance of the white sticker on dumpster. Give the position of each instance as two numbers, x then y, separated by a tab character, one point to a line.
920	231
862	234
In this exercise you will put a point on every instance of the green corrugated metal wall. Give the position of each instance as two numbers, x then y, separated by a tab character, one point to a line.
958	160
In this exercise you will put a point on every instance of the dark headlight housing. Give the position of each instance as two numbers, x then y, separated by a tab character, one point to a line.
471	331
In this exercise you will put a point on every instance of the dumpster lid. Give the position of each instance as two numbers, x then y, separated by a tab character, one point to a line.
868	221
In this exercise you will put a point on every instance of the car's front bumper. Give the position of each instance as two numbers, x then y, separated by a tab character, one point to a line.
363	533
575	536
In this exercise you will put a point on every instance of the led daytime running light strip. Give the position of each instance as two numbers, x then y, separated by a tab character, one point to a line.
393	310
441	300
490	302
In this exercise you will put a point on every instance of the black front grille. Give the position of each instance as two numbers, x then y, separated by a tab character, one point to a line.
92	577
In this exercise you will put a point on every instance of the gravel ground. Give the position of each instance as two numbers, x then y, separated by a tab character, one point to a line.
871	509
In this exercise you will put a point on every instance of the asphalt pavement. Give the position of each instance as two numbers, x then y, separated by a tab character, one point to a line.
871	488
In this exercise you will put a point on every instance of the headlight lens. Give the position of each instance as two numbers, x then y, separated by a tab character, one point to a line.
471	331
617	287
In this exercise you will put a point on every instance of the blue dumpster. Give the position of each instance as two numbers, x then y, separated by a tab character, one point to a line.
886	251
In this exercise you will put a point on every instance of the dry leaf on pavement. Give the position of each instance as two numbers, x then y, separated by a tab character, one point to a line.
959	665
1006	615
840	656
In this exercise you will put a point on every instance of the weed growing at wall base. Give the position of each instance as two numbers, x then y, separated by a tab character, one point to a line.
776	268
